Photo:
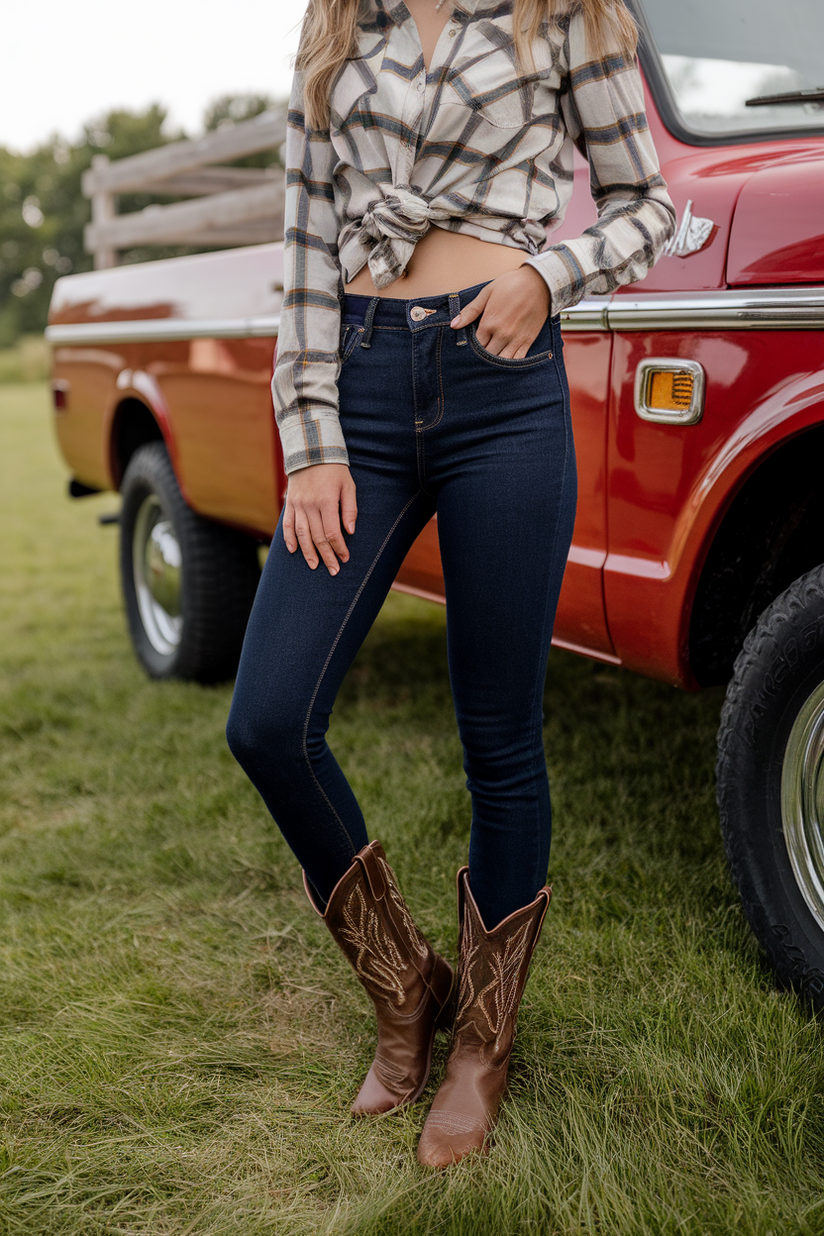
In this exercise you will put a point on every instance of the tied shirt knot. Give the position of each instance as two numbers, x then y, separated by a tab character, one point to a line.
384	238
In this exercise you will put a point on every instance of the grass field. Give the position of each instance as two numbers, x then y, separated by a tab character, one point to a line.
179	1039
29	360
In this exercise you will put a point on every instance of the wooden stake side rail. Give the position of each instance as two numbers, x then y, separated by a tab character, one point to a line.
236	206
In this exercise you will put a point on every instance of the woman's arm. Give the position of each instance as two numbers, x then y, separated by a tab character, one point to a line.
604	113
304	385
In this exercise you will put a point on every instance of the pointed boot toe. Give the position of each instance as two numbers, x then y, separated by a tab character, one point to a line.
449	1137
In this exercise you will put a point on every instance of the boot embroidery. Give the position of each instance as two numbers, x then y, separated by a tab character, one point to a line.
452	1122
466	989
416	940
496	1001
503	989
377	961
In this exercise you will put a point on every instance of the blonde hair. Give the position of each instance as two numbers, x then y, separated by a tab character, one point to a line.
329	33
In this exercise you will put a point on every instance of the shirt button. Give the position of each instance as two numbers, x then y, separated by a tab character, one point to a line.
452	33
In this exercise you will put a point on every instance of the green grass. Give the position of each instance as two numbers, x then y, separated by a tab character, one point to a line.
179	1039
29	360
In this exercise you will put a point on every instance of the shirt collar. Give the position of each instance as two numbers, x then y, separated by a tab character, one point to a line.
397	11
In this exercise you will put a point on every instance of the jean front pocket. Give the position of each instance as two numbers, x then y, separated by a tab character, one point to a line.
349	336
537	357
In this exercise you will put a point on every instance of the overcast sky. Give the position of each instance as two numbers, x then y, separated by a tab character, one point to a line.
66	62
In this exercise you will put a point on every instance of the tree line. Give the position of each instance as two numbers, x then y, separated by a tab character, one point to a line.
43	211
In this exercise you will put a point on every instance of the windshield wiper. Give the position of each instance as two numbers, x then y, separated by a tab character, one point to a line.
794	96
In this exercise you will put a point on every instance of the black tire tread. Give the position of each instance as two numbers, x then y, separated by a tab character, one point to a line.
220	575
786	642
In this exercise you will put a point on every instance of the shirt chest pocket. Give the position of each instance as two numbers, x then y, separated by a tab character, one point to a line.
490	93
510	110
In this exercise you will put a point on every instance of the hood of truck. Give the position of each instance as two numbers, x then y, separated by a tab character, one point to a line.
777	234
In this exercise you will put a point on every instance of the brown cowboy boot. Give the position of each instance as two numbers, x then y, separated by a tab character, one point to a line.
493	968
408	983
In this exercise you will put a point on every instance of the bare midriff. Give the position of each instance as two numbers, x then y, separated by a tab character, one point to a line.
443	262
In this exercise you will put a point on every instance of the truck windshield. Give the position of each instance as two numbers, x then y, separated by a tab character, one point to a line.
718	54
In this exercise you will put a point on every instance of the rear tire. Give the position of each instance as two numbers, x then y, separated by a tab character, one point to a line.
188	584
771	784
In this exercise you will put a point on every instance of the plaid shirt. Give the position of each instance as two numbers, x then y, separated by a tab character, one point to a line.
471	146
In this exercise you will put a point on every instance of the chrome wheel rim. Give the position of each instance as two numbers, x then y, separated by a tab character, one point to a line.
802	801
157	559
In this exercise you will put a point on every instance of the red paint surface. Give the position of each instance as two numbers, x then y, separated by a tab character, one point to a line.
669	485
778	231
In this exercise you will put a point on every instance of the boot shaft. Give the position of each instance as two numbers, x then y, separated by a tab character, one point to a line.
493	970
371	924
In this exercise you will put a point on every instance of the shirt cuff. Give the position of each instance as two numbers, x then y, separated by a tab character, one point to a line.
308	440
562	274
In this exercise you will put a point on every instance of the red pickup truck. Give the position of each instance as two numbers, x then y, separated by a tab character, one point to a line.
698	408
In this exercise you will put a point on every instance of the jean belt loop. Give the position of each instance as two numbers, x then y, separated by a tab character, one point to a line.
368	319
454	310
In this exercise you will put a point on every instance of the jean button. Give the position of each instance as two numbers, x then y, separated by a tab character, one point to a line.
417	313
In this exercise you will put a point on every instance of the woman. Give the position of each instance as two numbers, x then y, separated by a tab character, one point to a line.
419	370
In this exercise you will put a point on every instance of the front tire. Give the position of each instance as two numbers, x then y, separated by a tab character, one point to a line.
188	584
771	784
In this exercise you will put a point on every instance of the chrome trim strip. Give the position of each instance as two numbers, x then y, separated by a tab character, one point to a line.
163	330
784	308
589	314
796	308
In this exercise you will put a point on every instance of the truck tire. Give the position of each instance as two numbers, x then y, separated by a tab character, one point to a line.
771	784
188	584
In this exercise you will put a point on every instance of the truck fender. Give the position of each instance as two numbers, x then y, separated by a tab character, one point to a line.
136	384
783	414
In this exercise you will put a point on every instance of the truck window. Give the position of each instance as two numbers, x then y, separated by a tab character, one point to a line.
716	55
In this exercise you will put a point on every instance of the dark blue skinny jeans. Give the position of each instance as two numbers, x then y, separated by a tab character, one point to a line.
433	423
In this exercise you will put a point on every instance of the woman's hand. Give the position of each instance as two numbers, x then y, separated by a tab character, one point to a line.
318	499
514	308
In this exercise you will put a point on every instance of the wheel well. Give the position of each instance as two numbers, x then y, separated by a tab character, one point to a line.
772	533
133	426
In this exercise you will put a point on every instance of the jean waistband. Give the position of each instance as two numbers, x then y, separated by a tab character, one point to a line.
416	314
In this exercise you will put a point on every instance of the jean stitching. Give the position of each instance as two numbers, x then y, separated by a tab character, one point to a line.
414	388
349	348
540	679
508	362
420	451
335	643
419	444
439	413
359	325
